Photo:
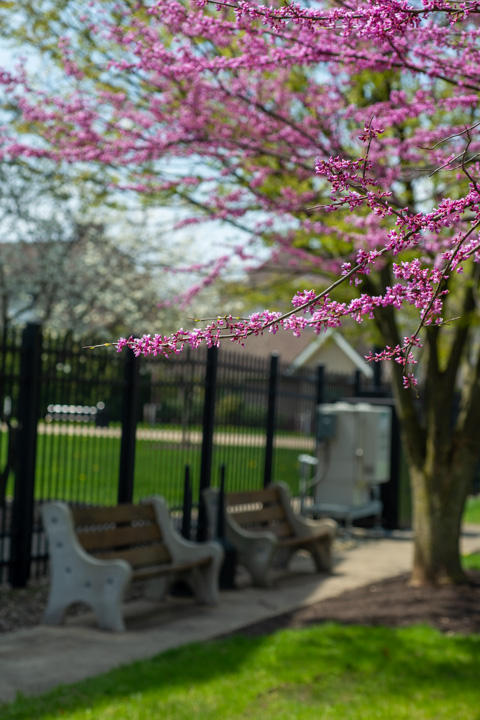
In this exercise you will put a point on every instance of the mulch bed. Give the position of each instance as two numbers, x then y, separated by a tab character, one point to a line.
392	603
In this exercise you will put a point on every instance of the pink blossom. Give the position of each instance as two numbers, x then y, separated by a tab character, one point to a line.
221	121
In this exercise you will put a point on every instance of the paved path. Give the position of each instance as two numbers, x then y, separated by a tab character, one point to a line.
175	437
35	660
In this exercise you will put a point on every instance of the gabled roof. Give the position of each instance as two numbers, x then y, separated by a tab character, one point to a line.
314	346
297	352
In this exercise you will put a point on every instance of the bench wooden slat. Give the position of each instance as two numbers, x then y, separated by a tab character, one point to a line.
283	530
304	541
257	516
245	497
258	510
84	516
140	556
119	536
156	571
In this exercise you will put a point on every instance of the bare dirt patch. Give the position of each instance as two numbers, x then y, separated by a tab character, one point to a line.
392	603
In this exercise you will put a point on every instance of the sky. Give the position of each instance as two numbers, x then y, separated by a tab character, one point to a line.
204	242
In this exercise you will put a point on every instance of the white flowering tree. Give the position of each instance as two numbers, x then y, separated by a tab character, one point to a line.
64	260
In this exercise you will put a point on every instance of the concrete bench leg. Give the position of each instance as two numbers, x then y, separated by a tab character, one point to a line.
99	585
204	579
108	611
109	616
106	598
258	560
55	611
321	552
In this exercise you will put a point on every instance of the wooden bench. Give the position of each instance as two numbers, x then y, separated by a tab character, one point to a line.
265	530
95	552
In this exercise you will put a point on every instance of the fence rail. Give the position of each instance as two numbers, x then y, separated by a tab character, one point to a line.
101	427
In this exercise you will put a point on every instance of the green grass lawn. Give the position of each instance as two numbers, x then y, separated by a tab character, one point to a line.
472	510
326	672
86	469
471	562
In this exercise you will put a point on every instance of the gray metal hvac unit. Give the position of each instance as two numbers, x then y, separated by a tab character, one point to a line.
353	459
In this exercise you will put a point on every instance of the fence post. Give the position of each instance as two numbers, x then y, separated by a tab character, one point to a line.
320	395
220	528
207	438
357	384
187	505
26	448
390	491
271	417
129	427
228	569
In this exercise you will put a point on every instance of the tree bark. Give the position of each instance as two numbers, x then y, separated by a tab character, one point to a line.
441	450
438	498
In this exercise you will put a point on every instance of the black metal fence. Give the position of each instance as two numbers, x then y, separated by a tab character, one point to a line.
98	427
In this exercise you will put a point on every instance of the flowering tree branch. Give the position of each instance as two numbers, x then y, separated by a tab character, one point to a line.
229	117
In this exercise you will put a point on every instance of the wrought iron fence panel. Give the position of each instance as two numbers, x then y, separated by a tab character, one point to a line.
9	391
79	424
109	428
240	420
169	433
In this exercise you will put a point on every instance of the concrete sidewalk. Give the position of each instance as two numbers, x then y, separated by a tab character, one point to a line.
35	660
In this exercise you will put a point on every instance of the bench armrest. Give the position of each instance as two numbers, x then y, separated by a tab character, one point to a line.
244	537
238	536
182	550
304	527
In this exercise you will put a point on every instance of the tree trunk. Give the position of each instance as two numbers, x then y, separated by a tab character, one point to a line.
441	436
438	500
442	475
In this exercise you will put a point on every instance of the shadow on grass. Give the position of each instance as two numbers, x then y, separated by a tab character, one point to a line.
329	664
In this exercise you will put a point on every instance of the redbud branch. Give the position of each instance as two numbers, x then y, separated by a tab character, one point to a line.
450	137
439	287
474	183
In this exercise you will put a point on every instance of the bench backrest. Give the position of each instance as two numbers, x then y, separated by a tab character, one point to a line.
259	510
125	531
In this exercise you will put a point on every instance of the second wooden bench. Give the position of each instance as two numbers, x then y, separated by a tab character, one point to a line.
265	530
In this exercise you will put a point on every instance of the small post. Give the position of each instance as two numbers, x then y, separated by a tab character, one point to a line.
129	428
207	438
24	493
187	505
271	417
226	579
221	506
390	491
180	588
